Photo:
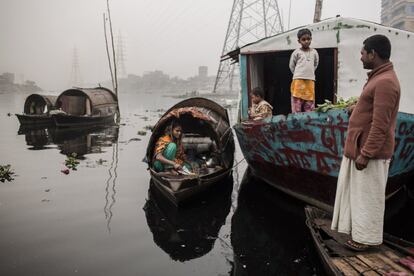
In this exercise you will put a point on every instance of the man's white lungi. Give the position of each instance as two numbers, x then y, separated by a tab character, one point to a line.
360	201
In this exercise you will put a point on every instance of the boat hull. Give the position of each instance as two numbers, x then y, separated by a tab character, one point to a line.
35	120
78	121
301	154
179	192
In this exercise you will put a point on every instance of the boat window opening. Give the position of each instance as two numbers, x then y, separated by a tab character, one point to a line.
271	72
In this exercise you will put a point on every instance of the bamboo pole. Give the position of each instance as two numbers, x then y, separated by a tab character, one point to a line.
113	47
114	60
107	53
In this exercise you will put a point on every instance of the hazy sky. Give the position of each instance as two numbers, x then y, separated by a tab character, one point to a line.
175	36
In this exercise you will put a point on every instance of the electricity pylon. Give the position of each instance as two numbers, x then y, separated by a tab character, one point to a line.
250	20
120	56
75	76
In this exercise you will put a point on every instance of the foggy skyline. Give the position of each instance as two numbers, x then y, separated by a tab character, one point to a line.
175	36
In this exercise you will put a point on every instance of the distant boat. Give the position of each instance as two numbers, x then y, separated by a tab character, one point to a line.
205	125
338	260
85	107
301	153
36	110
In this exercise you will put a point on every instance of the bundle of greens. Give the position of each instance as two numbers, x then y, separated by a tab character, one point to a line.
340	104
71	162
6	173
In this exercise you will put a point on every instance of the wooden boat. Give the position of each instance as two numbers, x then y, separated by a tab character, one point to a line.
338	260
206	129
36	110
86	107
300	154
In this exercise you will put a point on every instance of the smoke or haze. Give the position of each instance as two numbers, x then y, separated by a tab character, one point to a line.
175	36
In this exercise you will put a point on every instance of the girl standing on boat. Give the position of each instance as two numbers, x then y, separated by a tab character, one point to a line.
303	63
169	151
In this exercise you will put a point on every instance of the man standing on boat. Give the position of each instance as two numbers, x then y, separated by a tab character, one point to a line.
360	195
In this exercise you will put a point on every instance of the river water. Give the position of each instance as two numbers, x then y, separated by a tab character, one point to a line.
105	218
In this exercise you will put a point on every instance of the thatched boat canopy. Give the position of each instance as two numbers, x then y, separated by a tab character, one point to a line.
39	104
88	101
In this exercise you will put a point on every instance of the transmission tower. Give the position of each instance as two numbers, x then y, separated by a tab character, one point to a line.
75	76
250	20
120	56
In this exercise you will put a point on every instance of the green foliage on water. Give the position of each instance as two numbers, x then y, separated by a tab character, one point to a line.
71	162
6	173
340	104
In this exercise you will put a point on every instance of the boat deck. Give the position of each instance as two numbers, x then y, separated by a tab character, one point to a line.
376	261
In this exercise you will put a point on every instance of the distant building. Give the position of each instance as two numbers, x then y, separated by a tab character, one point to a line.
7	78
203	71
398	14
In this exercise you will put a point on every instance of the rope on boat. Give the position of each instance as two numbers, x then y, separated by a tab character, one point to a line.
238	163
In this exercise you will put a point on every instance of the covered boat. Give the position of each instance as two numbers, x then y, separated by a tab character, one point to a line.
36	110
393	257
208	143
301	153
86	107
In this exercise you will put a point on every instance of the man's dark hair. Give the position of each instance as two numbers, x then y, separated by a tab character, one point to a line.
380	44
303	32
258	92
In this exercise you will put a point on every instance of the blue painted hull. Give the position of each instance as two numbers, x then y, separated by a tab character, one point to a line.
301	153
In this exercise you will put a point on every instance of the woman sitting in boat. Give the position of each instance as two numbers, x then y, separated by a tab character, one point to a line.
169	151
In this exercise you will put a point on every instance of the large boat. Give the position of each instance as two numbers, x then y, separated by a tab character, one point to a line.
208	142
85	107
36	110
300	154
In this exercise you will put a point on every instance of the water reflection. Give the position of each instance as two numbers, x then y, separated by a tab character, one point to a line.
110	191
269	236
189	232
37	138
81	141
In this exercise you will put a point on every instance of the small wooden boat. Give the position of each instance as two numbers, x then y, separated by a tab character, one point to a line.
391	256
207	136
36	110
86	107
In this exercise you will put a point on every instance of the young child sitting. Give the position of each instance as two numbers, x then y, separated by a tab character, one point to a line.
303	63
260	109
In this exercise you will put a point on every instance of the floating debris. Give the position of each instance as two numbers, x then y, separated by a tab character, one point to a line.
65	171
101	161
71	162
9	114
133	139
47	190
142	132
6	173
148	127
45	200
